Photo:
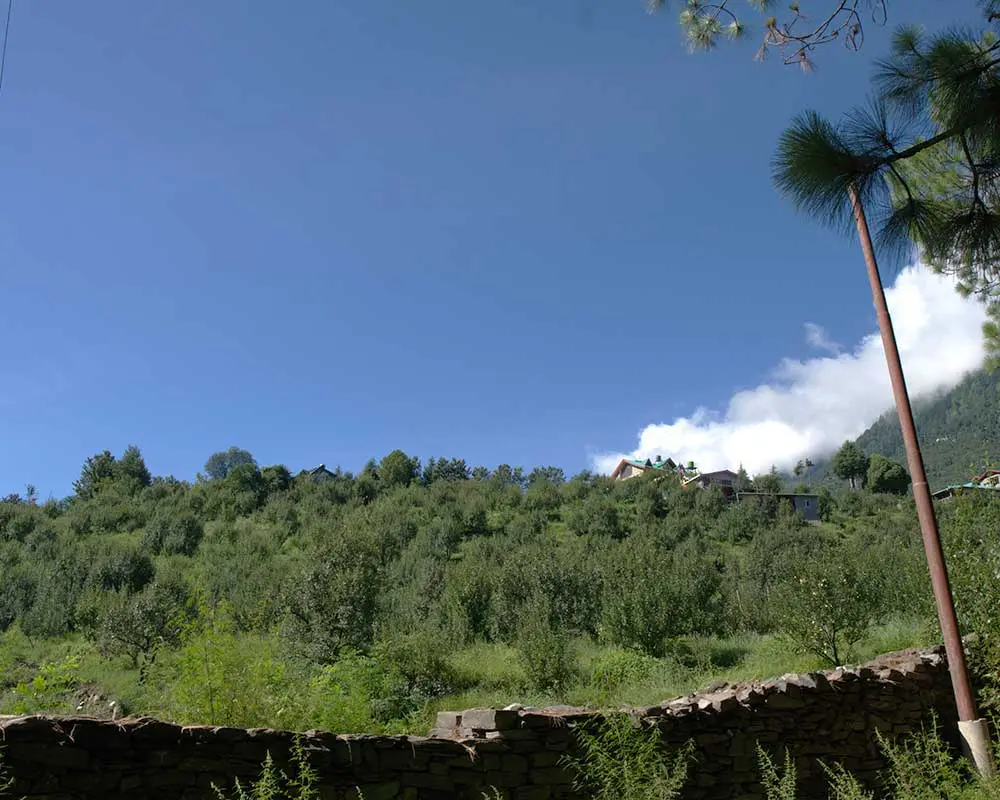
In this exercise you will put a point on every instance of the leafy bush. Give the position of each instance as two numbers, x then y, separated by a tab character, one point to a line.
222	677
654	594
826	604
617	668
971	532
48	690
340	698
596	516
174	533
413	671
544	649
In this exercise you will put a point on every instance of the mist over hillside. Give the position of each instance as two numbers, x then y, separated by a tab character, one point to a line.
959	433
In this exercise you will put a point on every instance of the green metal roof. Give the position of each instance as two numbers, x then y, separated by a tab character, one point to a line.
641	463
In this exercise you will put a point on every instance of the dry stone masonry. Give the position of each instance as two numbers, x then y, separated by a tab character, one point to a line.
830	715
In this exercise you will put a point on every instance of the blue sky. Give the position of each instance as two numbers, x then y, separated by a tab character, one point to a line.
513	233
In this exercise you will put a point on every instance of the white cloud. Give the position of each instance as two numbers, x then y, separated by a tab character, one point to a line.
816	336
808	408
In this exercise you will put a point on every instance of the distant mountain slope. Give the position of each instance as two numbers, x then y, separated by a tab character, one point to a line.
959	433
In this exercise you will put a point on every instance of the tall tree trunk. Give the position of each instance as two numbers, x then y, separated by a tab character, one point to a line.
971	728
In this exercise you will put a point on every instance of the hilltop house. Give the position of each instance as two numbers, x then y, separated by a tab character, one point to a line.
632	468
985	481
321	473
724	479
689	474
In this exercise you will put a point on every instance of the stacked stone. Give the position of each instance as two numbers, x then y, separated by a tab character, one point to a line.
56	758
832	716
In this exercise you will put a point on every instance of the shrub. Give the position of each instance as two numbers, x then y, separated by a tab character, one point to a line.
923	768
48	690
972	542
617	668
173	533
225	678
413	672
121	568
341	695
653	594
828	603
596	516
544	650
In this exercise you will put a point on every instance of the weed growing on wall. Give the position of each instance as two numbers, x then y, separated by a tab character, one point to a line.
778	781
621	760
924	767
843	785
920	768
275	784
6	781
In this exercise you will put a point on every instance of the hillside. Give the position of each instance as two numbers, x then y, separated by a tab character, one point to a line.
959	433
365	603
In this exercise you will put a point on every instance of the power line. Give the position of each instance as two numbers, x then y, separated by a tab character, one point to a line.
3	47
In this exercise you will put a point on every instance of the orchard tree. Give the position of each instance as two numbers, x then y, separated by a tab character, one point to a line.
827	602
104	468
97	469
850	464
220	464
553	475
398	469
139	625
445	469
277	478
886	476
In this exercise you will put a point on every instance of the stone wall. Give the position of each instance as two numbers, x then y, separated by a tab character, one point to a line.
830	715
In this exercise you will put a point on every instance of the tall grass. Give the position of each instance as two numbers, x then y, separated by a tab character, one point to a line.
342	697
